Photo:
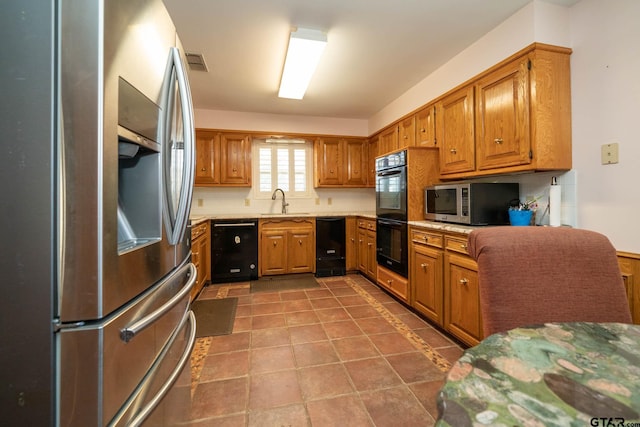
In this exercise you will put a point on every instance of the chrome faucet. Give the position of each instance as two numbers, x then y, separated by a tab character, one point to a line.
284	203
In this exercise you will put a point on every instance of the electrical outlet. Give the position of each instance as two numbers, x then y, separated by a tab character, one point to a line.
247	202
609	153
200	202
329	201
317	200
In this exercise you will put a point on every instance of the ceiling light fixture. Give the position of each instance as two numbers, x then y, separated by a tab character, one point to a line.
305	48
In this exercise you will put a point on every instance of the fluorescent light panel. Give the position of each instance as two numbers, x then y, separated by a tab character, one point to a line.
305	48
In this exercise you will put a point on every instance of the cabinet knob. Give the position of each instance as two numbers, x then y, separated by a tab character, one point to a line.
353	240
299	242
498	140
464	281
423	265
235	170
275	243
423	130
203	169
406	137
390	281
369	244
453	151
426	238
463	246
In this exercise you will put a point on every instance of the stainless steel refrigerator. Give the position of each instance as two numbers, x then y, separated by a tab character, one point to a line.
97	172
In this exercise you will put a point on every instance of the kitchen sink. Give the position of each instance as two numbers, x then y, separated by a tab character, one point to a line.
286	214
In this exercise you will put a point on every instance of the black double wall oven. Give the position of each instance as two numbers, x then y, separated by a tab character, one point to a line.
391	212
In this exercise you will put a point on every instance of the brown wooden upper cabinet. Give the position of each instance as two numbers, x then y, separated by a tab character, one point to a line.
407	132
222	159
455	129
521	112
341	162
426	127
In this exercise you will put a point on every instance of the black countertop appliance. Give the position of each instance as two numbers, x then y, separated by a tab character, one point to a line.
234	250
330	246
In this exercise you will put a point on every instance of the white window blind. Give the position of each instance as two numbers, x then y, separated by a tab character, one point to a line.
282	166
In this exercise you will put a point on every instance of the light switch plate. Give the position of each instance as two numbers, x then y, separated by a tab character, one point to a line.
609	153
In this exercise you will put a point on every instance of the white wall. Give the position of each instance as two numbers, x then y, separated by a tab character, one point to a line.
605	79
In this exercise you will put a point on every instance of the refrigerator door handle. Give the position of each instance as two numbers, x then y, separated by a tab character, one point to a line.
173	377
180	221
128	333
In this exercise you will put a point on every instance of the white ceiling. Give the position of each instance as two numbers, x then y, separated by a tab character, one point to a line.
377	49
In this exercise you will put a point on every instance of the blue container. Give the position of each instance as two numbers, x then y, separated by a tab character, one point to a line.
520	217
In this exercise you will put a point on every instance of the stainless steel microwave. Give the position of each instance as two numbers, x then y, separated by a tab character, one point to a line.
471	203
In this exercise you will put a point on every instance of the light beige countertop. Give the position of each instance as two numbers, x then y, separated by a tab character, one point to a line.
443	226
198	218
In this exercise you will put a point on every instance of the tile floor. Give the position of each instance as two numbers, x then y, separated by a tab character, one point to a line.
343	354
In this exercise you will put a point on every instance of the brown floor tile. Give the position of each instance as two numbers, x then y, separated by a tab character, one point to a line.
225	365
222	397
434	338
362	311
352	300
392	343
307	333
238	420
452	354
293	415
301	318
343	291
396	407
414	367
319	303
269	337
332	314
358	347
375	325
314	353
318	293
268	321
289	306
338	411
265	297
242	324
243	311
342	329
324	381
427	394
274	389
271	359
266	308
293	295
372	374
411	320
232	342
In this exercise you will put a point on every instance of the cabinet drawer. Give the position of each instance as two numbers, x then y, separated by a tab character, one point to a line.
394	283
456	244
422	237
198	230
367	224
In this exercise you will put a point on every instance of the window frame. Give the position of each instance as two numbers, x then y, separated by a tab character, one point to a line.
274	146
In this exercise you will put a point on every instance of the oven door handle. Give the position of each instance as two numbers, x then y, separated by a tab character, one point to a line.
390	173
394	224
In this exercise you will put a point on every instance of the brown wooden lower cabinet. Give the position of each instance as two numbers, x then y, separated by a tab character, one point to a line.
394	283
286	246
630	268
425	273
366	238
200	256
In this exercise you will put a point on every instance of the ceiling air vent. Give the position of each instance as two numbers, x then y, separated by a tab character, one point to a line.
196	62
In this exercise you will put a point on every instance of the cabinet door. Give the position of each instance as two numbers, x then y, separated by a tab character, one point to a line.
455	129
300	251
426	278
426	127
372	153
363	252
407	132
235	151
207	158
273	252
351	244
462	299
502	117
372	261
329	160
388	141
356	162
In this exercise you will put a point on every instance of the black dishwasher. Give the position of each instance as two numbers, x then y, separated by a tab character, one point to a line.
234	250
330	246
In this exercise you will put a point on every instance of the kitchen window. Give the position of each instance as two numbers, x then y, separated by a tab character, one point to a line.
282	165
